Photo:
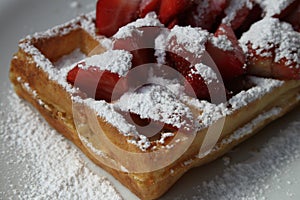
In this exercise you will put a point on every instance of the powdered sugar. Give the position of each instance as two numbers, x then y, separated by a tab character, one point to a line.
75	4
164	136
116	61
263	86
202	7
210	113
149	20
187	42
191	39
206	73
84	22
235	106
260	173
87	24
58	75
222	42
53	167
271	8
269	34
157	103
247	129
234	7
70	59
108	113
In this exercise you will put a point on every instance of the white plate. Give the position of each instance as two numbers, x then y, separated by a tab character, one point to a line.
267	166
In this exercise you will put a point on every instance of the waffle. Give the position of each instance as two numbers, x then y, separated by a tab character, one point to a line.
37	78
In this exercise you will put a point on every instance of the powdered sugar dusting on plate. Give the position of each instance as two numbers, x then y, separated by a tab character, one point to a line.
251	178
53	167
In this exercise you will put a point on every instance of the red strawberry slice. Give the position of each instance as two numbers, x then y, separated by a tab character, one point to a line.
254	15
169	9
197	84
173	23
259	65
229	62
281	71
147	6
237	12
177	62
294	17
287	10
194	83
279	56
140	45
266	67
204	87
113	14
206	14
96	83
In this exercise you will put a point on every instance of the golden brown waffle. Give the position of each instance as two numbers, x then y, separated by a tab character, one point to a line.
37	79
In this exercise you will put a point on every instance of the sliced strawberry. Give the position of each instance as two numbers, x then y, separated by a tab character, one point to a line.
177	62
288	9
281	71
266	67
270	56
194	83
254	15
140	45
197	84
237	12
147	6
259	65
173	23
206	14
238	84
96	83
231	61
294	17
169	9
113	14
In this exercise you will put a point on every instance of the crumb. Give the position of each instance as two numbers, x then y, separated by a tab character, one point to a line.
226	160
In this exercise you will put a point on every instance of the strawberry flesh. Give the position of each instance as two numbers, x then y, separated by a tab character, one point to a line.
197	84
287	10
169	9
236	15
147	6
229	62
266	67
113	14
293	17
206	14
254	15
96	83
